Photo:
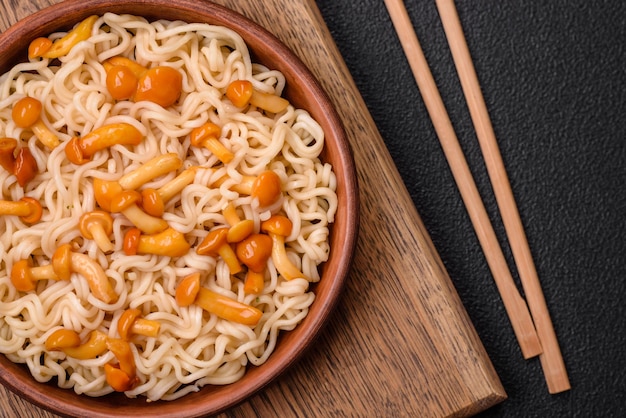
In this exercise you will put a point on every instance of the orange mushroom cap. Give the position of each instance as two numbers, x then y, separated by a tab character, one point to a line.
239	92
36	211
267	188
38	47
212	243
21	277
104	191
188	289
62	262
277	224
119	380
97	225
25	168
97	217
152	202
131	241
161	85
124	199
254	251
62	338
216	243
26	111
130	322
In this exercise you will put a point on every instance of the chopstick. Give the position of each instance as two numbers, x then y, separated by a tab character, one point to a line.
551	358
514	304
532	342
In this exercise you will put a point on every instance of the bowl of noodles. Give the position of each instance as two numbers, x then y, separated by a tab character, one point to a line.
179	208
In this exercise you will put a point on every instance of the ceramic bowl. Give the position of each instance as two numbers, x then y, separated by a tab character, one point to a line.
303	91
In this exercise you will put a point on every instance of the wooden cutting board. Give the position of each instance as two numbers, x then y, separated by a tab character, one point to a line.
400	342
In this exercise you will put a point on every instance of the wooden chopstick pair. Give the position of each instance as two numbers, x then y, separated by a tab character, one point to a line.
533	330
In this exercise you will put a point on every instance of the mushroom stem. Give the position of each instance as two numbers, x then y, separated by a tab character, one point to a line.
44	134
63	45
43	273
106	190
131	322
267	101
207	136
92	348
278	227
170	243
282	262
242	187
216	243
172	188
101	238
97	279
253	283
227	308
27	208
26	113
126	203
81	150
153	201
239	229
24	277
145	327
230	214
150	170
123	353
241	92
145	222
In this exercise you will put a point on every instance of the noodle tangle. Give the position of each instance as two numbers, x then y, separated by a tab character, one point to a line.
193	347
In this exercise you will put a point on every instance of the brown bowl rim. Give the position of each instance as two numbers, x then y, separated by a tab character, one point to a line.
210	399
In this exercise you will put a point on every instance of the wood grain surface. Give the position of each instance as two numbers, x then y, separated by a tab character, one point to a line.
400	342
